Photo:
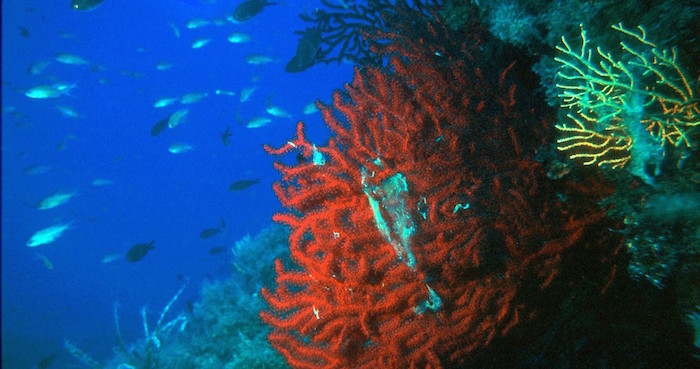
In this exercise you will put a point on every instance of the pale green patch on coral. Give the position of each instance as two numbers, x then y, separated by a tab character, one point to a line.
388	199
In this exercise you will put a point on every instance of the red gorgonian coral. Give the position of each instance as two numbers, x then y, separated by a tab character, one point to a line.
424	230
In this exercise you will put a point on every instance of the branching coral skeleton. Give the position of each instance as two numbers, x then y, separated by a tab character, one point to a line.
152	338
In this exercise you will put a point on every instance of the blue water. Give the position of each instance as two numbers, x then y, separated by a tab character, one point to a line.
154	194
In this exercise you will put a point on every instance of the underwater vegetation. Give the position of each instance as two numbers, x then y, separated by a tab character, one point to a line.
221	330
425	231
452	219
625	108
429	229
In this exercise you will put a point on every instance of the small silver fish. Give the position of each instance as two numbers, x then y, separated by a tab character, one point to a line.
180	148
247	92
258	122
164	101
47	235
43	92
258	59
225	92
196	23
110	258
37	68
237	38
200	42
54	200
177	118
85	4
68	111
161	66
71	59
193	97
310	108
276	111
49	91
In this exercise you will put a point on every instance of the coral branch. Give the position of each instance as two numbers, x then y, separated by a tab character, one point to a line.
417	231
613	98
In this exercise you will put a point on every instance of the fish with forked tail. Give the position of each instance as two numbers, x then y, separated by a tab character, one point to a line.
49	92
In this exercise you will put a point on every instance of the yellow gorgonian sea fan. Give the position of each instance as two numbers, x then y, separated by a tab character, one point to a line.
626	106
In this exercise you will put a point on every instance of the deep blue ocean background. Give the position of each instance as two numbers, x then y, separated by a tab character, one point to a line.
62	290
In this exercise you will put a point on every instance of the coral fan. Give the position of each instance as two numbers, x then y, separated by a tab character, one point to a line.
625	110
424	230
